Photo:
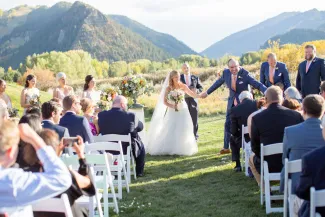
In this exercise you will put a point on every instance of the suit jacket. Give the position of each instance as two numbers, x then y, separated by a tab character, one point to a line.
312	175
309	83
118	121
61	131
77	126
268	128
195	83
239	115
242	84
281	75
297	141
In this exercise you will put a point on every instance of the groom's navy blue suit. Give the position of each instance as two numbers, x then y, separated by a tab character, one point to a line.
242	84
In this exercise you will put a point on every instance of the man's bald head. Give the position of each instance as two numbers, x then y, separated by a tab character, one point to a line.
233	66
186	68
120	102
274	94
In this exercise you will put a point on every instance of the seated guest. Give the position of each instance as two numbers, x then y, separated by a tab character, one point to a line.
312	175
119	121
20	189
238	116
77	125
293	93
33	110
304	137
88	109
291	104
260	106
51	114
81	184
268	128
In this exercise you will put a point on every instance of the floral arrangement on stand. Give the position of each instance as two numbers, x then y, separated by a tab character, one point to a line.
135	86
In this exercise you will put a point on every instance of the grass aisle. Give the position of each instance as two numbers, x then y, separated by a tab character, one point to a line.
198	186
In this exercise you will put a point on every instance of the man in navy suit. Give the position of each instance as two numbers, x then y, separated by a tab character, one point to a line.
274	73
194	84
51	114
119	121
237	80
305	137
312	175
311	72
77	125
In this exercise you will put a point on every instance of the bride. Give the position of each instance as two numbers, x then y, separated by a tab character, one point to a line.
171	131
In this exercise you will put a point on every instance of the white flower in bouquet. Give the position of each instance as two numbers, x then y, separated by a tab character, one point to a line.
175	96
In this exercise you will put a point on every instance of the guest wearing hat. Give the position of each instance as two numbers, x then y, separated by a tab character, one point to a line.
62	90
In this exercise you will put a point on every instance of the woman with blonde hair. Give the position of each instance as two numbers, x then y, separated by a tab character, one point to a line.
62	90
88	109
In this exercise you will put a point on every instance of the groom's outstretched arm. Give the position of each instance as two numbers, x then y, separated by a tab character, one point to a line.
216	84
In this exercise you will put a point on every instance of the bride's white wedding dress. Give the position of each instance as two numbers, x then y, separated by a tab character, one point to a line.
171	132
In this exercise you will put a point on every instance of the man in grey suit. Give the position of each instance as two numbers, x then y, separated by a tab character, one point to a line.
304	137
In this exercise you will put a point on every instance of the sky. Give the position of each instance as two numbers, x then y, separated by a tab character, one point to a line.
198	23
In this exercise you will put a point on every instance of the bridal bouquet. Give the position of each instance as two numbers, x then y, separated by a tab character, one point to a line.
35	101
175	96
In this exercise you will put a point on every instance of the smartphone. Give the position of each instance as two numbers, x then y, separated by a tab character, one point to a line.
68	141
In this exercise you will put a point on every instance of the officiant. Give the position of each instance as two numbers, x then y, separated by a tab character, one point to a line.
193	82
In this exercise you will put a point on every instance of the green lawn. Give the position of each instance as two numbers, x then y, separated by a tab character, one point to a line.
201	185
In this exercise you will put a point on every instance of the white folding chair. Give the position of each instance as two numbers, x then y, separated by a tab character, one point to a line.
289	167
246	149
128	156
84	201
59	205
116	169
267	177
316	200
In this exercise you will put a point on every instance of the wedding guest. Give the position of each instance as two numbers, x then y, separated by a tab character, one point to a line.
268	128
3	95
310	72
76	124
119	121
293	93
90	89
304	137
322	93
51	113
29	93
260	107
292	104
274	72
62	90
312	175
238	116
237	80
20	189
88	109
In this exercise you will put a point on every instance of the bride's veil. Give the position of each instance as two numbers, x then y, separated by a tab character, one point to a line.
156	123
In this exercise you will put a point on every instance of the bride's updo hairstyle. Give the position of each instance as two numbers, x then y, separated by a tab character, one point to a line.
172	74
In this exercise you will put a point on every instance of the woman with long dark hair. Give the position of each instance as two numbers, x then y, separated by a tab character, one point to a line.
90	89
30	94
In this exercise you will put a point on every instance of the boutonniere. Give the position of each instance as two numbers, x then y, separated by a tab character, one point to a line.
277	68
314	60
239	77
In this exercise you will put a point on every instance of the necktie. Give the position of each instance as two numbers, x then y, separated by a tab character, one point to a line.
307	66
187	80
271	74
233	82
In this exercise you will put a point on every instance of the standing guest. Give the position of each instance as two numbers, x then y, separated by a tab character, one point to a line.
3	95
29	93
238	116
62	90
77	125
268	128
119	121
88	109
274	73
293	93
51	114
237	80
90	89
311	72
20	189
193	82
292	104
312	175
303	138
260	106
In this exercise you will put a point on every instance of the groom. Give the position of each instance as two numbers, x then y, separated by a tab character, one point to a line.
237	80
194	84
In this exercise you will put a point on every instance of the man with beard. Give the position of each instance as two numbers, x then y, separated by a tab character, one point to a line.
311	72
